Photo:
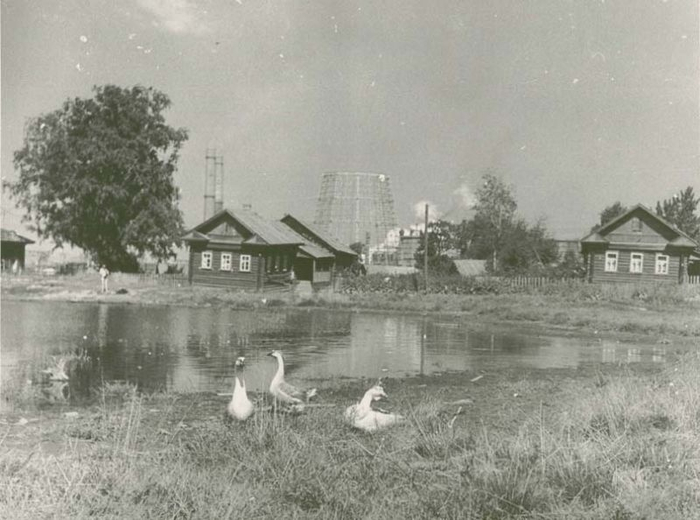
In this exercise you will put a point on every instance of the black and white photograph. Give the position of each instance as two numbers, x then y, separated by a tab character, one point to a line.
293	259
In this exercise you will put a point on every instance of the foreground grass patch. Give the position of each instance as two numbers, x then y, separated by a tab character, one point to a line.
616	446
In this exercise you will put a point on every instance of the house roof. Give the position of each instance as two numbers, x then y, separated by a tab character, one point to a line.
9	235
470	267
263	231
328	240
598	236
311	249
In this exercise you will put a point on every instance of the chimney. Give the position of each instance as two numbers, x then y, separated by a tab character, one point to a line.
209	183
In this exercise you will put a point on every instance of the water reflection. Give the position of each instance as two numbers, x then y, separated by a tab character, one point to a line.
194	349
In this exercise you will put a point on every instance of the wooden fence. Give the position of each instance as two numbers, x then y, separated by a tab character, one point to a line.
692	280
171	280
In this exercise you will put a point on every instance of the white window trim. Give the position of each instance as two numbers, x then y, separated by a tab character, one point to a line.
230	262
244	263
617	259
641	263
210	256
656	267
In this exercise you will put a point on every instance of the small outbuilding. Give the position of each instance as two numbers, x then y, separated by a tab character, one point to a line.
320	256
638	246
12	250
241	250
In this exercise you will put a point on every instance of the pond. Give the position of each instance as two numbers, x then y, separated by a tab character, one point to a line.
194	349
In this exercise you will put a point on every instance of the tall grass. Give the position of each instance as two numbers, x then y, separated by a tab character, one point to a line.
619	447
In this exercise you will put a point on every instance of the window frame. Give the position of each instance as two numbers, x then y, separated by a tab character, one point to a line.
611	254
210	255
244	263
666	264
229	258
641	262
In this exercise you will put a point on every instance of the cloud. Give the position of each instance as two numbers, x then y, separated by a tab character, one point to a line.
178	16
465	196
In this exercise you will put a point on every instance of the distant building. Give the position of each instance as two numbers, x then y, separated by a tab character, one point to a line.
638	246
242	250
409	243
12	249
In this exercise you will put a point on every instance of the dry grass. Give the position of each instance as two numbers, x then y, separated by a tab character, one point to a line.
617	446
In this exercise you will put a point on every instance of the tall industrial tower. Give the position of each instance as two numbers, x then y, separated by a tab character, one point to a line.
356	207
213	183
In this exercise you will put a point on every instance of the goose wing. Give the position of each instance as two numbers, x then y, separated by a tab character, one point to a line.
287	392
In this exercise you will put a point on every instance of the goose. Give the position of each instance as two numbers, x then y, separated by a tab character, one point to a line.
363	417
283	391
58	373
240	407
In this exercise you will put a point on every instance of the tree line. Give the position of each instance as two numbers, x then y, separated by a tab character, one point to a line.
510	245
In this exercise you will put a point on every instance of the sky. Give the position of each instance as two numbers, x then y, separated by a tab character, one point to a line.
575	104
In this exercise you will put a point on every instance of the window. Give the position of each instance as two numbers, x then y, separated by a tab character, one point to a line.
661	264
206	260
611	262
225	261
636	225
244	264
636	262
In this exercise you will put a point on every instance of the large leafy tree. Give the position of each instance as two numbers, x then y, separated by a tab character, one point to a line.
610	213
494	218
98	174
680	210
441	238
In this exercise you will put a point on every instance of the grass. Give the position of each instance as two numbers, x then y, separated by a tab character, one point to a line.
622	444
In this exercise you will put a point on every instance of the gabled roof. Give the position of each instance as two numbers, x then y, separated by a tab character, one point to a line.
8	235
598	236
468	267
311	249
262	231
325	238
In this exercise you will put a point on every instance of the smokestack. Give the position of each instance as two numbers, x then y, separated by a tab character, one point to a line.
209	183
219	186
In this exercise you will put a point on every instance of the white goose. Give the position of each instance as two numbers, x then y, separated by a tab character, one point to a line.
362	416
240	407
283	391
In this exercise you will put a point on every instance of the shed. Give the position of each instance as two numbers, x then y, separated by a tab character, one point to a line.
469	267
638	246
12	249
241	249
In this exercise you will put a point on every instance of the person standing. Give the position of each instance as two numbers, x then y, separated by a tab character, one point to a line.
104	274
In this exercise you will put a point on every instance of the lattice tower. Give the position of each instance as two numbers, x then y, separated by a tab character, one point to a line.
356	207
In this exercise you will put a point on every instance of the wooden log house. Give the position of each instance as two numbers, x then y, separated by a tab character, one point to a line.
638	246
241	250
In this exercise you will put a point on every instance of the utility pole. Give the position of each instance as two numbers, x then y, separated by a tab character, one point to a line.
425	249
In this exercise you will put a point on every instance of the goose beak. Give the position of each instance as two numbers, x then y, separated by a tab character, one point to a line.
271	353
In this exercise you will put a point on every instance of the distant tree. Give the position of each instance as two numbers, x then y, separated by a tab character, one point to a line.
98	174
680	210
485	235
441	239
526	248
609	214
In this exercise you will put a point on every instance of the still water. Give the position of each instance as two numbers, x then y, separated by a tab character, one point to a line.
194	349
